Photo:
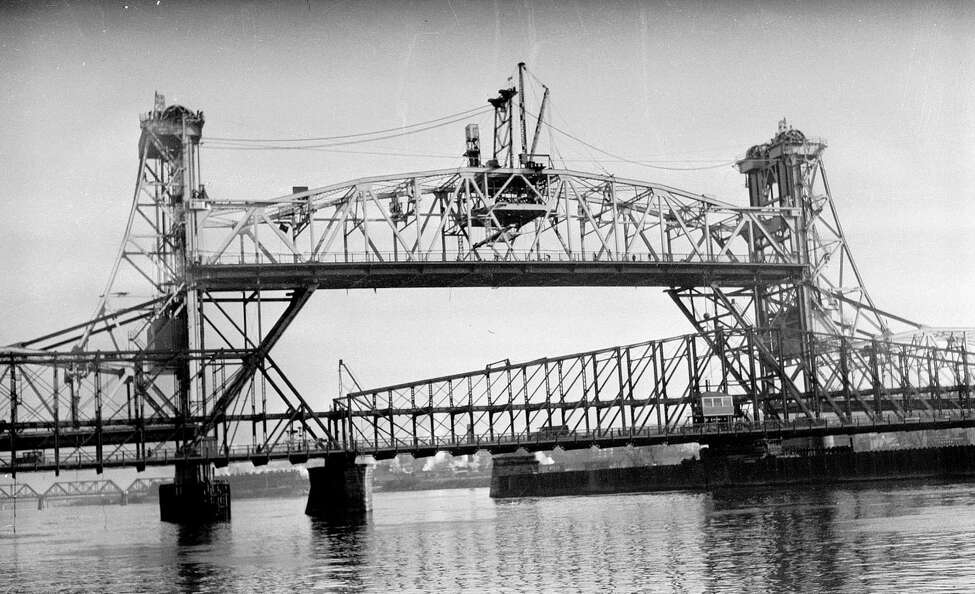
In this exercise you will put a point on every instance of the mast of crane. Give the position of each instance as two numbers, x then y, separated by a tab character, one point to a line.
523	157
538	125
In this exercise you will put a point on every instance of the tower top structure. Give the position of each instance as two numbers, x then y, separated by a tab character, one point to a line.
164	127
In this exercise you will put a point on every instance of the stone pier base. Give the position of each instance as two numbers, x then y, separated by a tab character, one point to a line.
513	475
195	497
341	489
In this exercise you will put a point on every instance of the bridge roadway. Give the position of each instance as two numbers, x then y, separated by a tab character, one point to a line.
301	452
378	274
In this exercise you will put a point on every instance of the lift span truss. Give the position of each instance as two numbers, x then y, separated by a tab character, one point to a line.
651	387
484	226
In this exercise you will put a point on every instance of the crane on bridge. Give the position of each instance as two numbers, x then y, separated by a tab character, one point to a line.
784	321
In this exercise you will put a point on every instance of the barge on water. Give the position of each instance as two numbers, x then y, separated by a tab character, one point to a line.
521	476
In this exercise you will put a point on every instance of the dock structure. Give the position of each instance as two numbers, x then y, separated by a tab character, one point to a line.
784	323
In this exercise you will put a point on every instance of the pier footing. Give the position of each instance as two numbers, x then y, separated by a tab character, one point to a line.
195	497
513	475
341	489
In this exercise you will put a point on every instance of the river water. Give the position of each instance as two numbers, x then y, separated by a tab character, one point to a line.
885	537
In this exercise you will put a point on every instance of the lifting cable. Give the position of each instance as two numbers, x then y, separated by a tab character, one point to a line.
634	162
224	146
397	131
617	158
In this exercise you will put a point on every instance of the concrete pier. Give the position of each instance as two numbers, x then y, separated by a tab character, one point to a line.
195	497
513	475
341	489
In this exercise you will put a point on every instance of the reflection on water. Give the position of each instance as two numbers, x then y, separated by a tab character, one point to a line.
194	567
342	547
878	538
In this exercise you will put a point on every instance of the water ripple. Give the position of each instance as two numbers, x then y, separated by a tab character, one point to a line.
881	538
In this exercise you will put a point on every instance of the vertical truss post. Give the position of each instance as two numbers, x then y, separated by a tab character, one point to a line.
757	408
98	420
875	378
845	376
470	409
548	395
14	401
511	402
413	415
629	386
622	387
450	397
596	401
660	388
965	392
55	413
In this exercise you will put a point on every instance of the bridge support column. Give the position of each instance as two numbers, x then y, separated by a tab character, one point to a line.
341	489
195	497
513	475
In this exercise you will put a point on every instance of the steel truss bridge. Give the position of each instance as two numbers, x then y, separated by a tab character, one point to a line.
783	320
83	489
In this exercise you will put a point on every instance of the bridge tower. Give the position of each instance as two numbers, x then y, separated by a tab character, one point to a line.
169	147
163	356
827	302
169	153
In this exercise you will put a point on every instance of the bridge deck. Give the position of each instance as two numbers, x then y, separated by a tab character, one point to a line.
368	275
532	442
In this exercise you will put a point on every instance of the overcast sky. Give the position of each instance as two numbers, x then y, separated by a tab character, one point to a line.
888	85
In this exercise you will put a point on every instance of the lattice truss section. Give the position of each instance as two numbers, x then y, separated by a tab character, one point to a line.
92	488
12	491
482	214
654	386
90	406
160	363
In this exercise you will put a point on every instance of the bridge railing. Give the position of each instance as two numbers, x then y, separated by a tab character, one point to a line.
773	428
657	385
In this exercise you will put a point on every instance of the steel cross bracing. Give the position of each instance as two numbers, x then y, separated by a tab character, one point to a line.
645	392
